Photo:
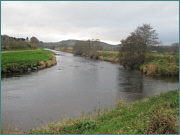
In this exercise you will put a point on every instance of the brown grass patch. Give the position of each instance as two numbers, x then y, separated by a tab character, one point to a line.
49	63
120	103
162	123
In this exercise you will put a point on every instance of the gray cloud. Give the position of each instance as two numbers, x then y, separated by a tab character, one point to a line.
108	21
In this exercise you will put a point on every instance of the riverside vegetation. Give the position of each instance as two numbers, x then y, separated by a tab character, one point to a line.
12	43
20	54
154	115
26	60
134	53
155	64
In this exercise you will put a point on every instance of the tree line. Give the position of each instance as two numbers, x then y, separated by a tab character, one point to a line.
87	48
171	49
8	43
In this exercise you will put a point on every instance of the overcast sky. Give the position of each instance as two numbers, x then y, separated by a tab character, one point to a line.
108	21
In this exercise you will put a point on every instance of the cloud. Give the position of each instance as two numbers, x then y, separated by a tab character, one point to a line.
107	20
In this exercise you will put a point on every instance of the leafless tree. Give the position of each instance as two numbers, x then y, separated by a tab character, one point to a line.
134	47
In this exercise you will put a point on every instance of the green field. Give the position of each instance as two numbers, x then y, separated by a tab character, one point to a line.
14	61
154	115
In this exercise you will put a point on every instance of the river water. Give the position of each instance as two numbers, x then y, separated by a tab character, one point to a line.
75	85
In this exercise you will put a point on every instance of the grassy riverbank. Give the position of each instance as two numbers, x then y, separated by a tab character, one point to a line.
26	60
157	114
155	64
110	56
69	50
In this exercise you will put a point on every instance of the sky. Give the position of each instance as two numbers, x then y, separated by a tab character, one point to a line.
109	21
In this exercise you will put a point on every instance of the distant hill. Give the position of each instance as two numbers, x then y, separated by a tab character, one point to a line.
71	42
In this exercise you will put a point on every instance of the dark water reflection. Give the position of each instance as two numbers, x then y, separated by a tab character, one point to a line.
133	85
74	85
16	74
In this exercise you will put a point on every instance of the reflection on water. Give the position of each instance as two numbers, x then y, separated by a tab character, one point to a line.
74	85
133	85
15	74
173	79
130	80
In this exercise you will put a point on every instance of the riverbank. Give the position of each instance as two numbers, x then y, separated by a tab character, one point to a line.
19	61
110	56
160	65
69	50
154	65
154	115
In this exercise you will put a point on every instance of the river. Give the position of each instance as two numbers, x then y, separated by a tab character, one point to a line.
75	85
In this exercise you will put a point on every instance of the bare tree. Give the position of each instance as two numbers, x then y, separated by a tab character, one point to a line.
64	46
148	34
134	47
87	48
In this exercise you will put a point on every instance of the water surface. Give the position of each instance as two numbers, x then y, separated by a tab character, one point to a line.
74	85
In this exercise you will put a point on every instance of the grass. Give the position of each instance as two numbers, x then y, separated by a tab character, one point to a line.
3	50
157	64
154	115
69	49
14	61
110	56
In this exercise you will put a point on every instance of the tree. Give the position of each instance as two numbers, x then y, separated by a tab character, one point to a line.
133	51
134	47
87	48
27	39
35	41
148	34
64	46
78	47
95	44
174	48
